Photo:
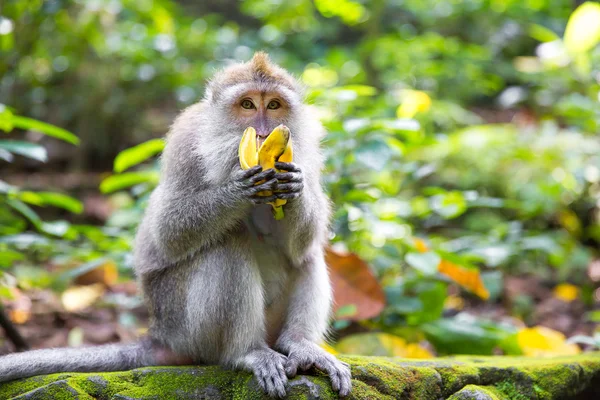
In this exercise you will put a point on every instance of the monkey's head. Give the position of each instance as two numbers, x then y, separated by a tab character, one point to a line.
257	93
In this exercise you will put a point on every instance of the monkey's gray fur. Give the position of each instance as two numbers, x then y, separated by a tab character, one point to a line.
224	281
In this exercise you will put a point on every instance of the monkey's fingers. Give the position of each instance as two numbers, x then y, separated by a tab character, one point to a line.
339	374
247	173
291	367
290	167
261	187
292	187
261	176
289	177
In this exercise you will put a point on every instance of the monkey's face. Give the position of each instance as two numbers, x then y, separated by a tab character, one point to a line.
262	110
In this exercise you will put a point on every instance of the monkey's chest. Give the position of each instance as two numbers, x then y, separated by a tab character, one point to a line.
263	227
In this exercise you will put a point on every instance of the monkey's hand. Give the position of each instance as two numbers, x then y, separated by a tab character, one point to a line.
305	354
267	365
249	183
290	181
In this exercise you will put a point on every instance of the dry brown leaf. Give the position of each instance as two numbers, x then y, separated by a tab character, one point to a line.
105	273
354	285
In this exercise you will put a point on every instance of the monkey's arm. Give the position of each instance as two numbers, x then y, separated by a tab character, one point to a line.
183	219
306	323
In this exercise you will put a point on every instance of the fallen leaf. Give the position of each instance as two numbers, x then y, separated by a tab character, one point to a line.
105	273
467	278
20	307
454	302
540	341
566	292
329	349
381	344
355	287
77	298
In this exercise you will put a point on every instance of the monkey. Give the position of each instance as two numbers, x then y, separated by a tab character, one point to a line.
226	283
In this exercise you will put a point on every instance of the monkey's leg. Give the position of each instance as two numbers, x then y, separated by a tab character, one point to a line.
226	305
306	324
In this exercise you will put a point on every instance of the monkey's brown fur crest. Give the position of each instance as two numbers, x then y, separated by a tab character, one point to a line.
258	69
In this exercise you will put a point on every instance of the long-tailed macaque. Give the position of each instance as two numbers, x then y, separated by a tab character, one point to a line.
225	282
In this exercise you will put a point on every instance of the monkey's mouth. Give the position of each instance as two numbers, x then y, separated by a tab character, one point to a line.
260	140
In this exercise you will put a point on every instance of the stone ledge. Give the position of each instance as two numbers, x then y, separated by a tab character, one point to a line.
459	378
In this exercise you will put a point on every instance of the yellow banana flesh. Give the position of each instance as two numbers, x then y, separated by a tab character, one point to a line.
277	147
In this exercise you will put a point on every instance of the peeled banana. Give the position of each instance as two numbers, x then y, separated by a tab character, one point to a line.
277	147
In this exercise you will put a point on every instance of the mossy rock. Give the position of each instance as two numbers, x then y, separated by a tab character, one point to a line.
460	378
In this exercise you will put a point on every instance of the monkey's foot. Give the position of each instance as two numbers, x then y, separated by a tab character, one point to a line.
268	367
305	355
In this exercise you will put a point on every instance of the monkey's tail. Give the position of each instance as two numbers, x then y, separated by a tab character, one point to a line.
110	357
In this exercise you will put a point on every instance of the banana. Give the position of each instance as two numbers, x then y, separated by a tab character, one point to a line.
247	150
277	147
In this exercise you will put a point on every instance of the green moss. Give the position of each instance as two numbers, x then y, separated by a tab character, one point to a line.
510	391
475	392
495	378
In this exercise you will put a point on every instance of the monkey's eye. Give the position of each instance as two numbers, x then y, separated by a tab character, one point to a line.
247	104
273	105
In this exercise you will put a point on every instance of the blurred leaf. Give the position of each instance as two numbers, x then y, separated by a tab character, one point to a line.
542	34
432	295
467	278
33	151
426	263
449	205
374	154
588	340
583	30
8	257
380	344
75	337
413	102
329	349
128	179
106	273
354	284
540	341
466	335
74	273
78	298
52	199
137	154
566	292
46	129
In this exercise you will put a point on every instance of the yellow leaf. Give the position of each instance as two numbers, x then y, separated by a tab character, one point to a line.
583	30
413	102
467	278
19	316
329	349
541	341
106	273
420	245
566	292
77	298
454	303
381	344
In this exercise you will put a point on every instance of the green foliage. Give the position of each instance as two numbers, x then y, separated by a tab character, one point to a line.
469	124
